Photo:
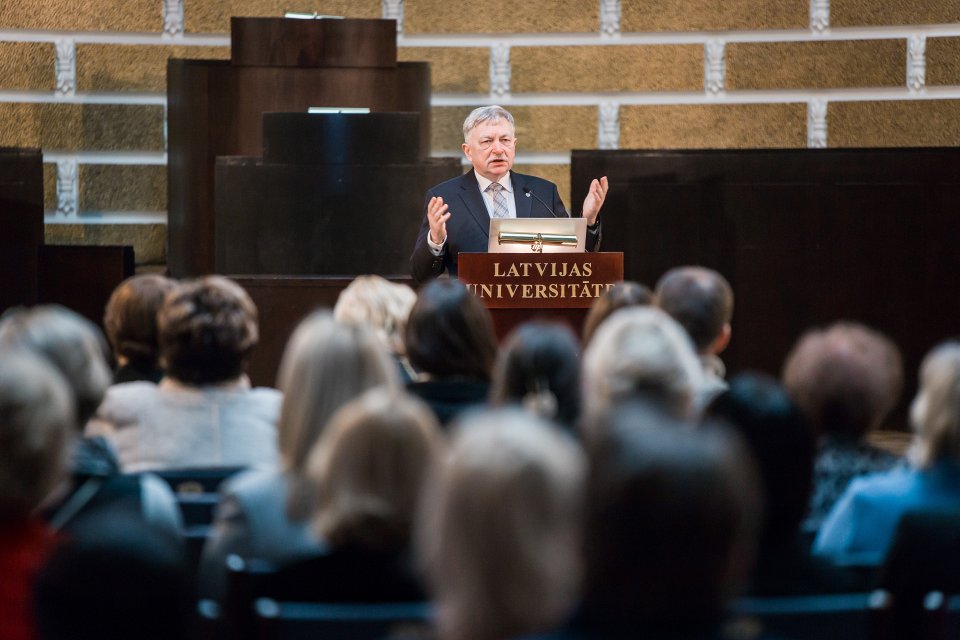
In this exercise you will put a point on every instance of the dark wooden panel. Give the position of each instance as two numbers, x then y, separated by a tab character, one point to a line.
280	42
342	138
21	224
82	278
215	109
320	220
282	303
806	237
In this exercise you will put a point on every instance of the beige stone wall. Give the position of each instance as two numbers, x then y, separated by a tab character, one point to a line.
85	81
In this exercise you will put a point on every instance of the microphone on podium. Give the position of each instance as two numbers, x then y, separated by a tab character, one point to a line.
527	192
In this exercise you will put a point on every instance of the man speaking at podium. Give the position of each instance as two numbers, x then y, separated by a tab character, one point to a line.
458	211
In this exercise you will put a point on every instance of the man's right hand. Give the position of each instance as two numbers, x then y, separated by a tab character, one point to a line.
437	216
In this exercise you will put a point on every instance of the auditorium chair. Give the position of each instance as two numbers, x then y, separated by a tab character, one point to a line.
197	493
941	618
848	616
326	578
310	621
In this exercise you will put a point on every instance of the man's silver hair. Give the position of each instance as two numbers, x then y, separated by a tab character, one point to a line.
482	114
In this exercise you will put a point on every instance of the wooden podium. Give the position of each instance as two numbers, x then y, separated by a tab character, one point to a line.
517	287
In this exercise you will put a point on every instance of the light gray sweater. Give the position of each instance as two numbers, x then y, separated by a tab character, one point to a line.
172	425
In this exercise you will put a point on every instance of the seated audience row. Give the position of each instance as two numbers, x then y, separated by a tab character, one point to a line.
624	490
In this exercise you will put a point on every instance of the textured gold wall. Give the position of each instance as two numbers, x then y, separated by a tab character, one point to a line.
82	127
816	65
741	126
500	16
623	68
82	15
711	15
853	13
111	67
653	64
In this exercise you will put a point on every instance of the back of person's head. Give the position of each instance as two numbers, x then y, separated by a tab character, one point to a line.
450	333
369	467
498	532
325	365
641	351
935	413
115	578
845	378
777	435
670	521
36	425
539	367
208	329
701	300
381	305
71	343
130	319
620	295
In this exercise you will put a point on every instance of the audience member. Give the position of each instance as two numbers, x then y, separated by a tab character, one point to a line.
264	514
538	367
622	294
641	352
701	300
130	321
204	412
671	518
776	433
845	379
76	348
368	468
860	528
36	417
383	306
450	341
115	578
498	531
68	341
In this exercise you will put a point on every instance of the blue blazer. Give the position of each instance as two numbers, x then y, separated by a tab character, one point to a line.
469	224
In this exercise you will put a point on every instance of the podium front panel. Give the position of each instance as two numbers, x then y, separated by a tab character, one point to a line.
539	280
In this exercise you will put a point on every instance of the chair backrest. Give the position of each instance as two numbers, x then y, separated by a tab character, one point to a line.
924	555
309	621
847	616
331	577
197	479
940	619
196	492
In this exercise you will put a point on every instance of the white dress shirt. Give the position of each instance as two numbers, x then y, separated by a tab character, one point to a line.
507	185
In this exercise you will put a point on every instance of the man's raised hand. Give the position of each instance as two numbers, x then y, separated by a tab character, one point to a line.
594	199
437	216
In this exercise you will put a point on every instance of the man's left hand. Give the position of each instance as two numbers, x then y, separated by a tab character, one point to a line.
594	199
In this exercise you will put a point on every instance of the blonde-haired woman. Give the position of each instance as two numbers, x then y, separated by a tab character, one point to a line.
499	531
368	469
383	306
861	527
641	352
263	514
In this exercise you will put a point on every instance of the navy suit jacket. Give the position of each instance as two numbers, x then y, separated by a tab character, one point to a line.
469	225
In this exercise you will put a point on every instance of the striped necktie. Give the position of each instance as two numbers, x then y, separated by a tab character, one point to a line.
499	201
